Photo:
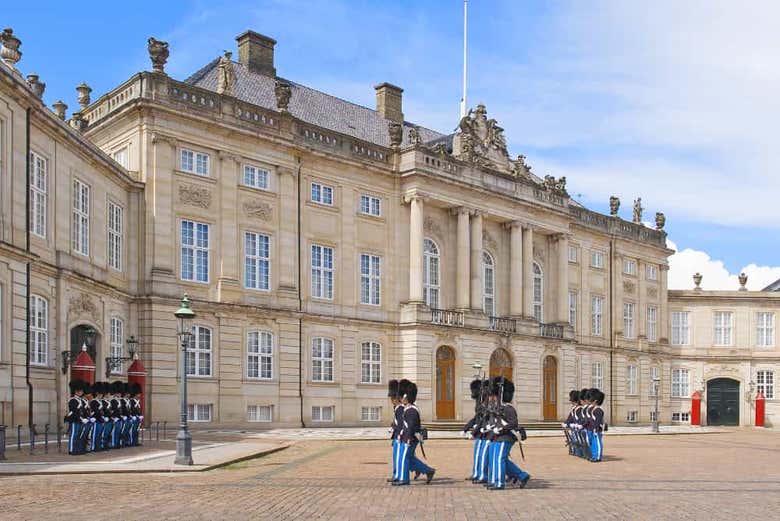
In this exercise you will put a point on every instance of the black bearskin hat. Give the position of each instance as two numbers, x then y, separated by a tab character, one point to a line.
509	391
75	385
392	389
116	387
476	387
89	388
408	390
97	388
134	389
597	396
584	394
574	396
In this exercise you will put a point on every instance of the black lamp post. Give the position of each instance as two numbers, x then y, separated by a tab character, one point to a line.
115	362
184	316
656	388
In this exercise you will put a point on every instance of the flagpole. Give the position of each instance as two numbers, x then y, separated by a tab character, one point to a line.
465	35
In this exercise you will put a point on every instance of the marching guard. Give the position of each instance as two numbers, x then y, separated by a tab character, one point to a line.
410	435
395	426
75	417
504	432
585	425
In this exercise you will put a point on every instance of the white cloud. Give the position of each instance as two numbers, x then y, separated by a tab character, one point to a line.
683	264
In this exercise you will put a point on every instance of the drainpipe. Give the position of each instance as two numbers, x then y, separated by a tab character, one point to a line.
611	329
27	274
300	298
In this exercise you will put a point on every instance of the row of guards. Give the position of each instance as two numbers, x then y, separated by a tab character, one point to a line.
696	409
83	368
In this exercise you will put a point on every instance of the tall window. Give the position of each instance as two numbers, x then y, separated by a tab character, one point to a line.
39	330
260	355
194	251
681	335
370	362
573	309
114	236
652	323
538	293
321	271
257	261
765	329
122	157
596	315
116	337
370	278
597	374
38	194
80	224
321	359
681	385
629	267
765	384
370	205
198	360
195	162
572	253
322	194
256	177
631	380
655	374
722	324
629	330
596	259
488	284
431	273
651	272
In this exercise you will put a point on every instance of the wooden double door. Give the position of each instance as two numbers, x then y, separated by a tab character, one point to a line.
445	383
550	388
723	402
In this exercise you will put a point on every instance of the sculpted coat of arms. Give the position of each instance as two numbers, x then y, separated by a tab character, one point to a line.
481	141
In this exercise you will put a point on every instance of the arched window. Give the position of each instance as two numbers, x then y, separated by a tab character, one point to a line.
488	284
198	362
431	273
538	292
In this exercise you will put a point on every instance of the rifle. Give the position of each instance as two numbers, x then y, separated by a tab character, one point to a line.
566	436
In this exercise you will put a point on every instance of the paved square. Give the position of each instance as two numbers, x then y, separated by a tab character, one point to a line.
707	476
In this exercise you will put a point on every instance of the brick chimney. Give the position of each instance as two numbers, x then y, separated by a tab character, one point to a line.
389	102
256	51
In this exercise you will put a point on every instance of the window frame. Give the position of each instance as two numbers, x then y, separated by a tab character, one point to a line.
257	261
630	267
369	208
765	329
322	276
369	408
116	342
765	383
195	416
322	188
651	272
681	328
537	305
372	363
370	279
263	354
651	325
632	380
122	152
80	217
39	330
488	284
629	320
198	352
596	254
257	410
597	314
722	333
681	388
195	161
116	215
197	261
323	360
573	254
322	408
258	173
597	374
39	193
431	265
573	309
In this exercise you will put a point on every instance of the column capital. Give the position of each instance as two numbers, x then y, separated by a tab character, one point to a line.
459	210
157	137
286	170
514	224
663	267
228	156
415	196
561	236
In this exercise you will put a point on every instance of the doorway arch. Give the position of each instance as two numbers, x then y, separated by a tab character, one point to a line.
445	383
723	402
550	388
78	338
501	364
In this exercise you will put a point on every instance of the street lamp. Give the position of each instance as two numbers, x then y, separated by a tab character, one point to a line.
114	363
184	315
656	387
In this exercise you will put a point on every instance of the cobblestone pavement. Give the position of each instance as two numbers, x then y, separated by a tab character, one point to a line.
712	476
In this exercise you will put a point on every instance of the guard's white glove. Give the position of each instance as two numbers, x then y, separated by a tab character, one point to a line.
564	425
84	420
115	419
124	418
470	436
105	420
92	420
496	430
141	418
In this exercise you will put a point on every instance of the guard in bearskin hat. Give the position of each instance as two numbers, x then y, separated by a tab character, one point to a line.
410	435
505	432
116	414
75	417
568	425
395	426
137	413
596	425
475	428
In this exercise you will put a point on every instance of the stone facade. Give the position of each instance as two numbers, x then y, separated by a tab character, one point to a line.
221	192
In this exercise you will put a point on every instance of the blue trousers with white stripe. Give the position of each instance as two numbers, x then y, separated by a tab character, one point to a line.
396	446
475	461
595	439
408	462
74	439
117	426
96	438
502	466
107	430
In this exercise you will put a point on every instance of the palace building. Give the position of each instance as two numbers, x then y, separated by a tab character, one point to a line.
327	248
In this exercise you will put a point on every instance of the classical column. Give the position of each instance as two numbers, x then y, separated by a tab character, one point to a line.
287	223
528	271
515	269
416	248
663	319
464	250
476	261
563	278
230	244
640	313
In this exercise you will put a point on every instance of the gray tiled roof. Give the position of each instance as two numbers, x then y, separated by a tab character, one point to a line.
309	105
775	286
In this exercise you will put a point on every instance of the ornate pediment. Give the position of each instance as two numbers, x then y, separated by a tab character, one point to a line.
195	196
481	142
81	304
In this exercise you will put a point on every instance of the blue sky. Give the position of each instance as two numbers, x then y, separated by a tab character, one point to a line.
676	103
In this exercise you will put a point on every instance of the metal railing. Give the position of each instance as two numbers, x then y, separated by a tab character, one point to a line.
507	325
447	317
550	330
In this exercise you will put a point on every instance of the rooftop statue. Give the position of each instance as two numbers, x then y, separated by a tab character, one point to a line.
481	141
226	76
